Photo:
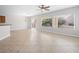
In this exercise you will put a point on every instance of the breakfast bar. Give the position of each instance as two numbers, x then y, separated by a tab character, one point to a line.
4	31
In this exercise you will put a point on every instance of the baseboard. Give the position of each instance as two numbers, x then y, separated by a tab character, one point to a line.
5	37
62	34
66	34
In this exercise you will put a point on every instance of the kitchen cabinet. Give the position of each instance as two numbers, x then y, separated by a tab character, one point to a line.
2	19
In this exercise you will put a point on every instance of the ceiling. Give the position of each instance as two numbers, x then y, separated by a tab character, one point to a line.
28	10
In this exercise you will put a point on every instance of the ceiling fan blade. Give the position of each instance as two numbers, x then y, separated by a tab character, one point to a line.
46	9
40	6
43	6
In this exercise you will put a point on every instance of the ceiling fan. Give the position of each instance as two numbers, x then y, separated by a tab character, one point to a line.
44	7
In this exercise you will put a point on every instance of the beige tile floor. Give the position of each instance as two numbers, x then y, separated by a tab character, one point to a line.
23	41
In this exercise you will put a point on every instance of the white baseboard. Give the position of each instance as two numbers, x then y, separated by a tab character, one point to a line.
66	34
8	35
61	33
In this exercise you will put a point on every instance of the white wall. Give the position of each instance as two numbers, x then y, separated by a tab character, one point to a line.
71	32
28	22
17	22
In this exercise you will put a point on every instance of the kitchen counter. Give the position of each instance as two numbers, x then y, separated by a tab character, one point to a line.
4	31
4	24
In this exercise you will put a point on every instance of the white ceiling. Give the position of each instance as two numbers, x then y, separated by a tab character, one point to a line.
28	10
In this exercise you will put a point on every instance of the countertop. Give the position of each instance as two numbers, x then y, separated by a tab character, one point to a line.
1	24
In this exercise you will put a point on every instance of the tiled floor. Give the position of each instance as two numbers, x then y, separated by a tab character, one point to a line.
34	41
